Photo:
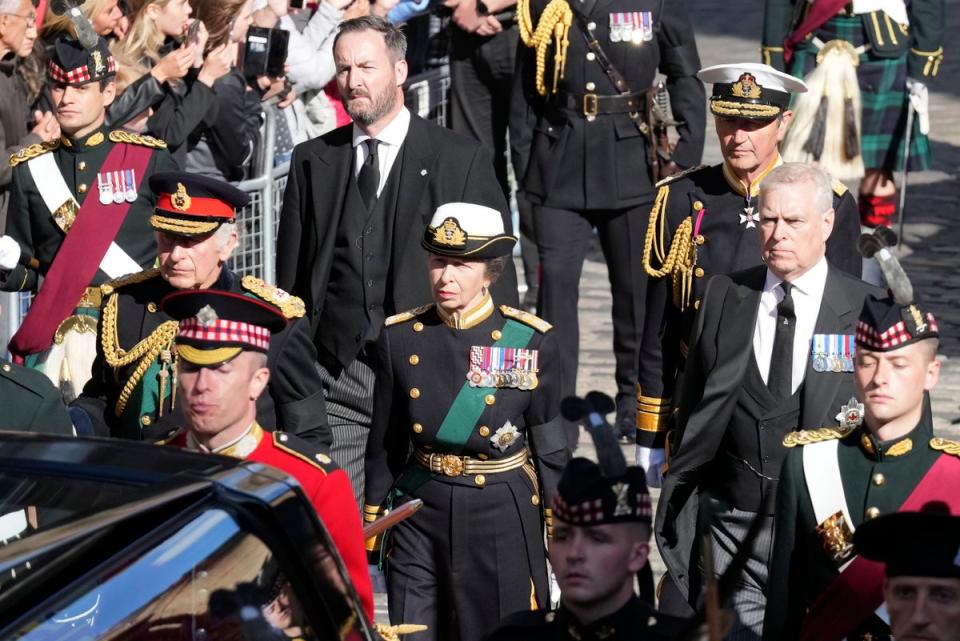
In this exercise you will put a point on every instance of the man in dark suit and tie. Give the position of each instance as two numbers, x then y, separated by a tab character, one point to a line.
772	352
354	210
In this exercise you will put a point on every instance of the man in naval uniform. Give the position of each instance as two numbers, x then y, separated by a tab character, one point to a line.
78	216
922	569
222	340
755	374
600	541
882	458
593	158
132	393
704	222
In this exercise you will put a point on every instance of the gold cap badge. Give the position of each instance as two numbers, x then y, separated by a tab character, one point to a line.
746	87
181	200
450	233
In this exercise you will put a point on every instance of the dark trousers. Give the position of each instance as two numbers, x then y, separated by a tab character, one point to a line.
481	81
469	557
563	238
349	398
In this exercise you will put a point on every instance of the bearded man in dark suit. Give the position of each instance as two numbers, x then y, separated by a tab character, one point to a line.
355	206
772	352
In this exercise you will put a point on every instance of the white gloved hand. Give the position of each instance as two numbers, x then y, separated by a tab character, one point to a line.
919	97
9	252
652	459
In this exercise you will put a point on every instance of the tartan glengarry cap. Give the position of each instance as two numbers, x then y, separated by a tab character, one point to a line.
886	325
468	230
72	64
924	543
750	90
215	326
586	497
191	204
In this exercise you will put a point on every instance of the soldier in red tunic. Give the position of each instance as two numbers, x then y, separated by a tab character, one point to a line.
222	345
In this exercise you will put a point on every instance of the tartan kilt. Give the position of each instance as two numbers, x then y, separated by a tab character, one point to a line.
883	96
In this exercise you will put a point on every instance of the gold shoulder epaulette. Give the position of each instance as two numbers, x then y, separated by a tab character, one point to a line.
809	437
291	306
32	151
839	188
945	445
136	139
677	176
526	318
130	279
403	317
302	450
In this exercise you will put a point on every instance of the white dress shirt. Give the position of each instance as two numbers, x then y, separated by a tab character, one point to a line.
391	139
807	294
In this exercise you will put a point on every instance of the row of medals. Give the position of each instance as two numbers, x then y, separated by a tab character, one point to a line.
508	378
125	181
628	32
832	363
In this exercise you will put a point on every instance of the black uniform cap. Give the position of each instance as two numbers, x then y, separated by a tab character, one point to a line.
925	543
72	64
215	326
885	324
190	205
586	497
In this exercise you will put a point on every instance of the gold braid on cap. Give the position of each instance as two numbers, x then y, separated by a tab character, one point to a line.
147	350
678	262
554	23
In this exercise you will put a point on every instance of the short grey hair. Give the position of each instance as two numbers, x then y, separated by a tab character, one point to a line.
223	232
9	6
393	36
807	177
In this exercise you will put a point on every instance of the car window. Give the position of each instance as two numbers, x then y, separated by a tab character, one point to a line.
207	581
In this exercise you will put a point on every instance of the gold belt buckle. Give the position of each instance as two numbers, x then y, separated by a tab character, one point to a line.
591	105
451	465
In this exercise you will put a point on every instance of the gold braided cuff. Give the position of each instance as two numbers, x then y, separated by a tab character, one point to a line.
370	514
933	60
548	522
652	413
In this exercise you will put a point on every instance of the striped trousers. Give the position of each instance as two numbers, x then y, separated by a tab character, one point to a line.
349	399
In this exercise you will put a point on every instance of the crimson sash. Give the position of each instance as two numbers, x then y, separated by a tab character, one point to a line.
77	260
820	12
857	592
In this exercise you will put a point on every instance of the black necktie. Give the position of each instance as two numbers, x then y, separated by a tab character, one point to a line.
780	376
369	177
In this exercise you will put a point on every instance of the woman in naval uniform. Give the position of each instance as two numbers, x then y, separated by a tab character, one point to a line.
466	417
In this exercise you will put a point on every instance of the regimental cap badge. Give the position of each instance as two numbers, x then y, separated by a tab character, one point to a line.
851	414
450	233
98	66
207	316
181	199
746	87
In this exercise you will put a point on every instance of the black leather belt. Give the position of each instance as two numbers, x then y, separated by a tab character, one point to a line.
590	105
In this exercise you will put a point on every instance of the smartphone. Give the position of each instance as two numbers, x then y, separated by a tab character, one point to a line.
255	52
277	53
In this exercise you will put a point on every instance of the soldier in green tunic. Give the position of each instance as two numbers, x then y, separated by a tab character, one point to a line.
882	458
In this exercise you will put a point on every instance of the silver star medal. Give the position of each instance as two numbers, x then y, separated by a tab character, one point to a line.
505	436
749	217
851	414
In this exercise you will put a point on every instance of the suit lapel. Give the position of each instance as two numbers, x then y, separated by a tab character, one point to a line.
836	316
417	164
334	163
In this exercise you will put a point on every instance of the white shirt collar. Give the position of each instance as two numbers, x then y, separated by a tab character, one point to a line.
810	282
393	134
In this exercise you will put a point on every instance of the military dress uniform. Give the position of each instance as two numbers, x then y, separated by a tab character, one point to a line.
132	393
216	326
591	153
30	403
705	222
52	183
834	480
476	397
